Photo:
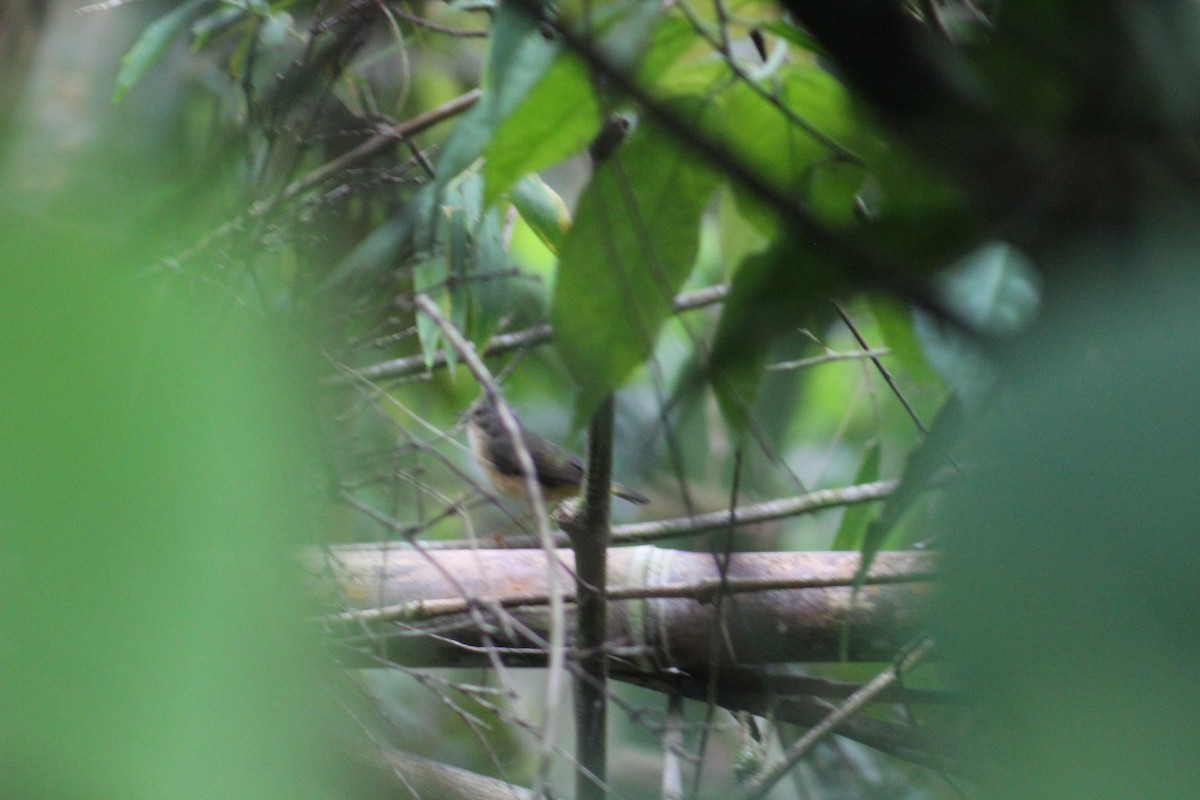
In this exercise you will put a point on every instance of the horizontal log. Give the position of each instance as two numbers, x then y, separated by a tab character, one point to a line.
403	606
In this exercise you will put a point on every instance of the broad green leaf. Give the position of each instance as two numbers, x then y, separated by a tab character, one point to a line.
673	37
152	45
808	126
635	238
559	118
542	209
856	518
518	58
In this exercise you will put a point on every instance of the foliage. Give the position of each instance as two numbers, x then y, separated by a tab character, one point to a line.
804	242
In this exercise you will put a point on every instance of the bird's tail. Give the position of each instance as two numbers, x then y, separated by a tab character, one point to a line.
625	493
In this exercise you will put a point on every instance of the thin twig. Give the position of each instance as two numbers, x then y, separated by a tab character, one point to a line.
377	143
828	358
884	371
761	784
702	591
504	343
657	530
421	22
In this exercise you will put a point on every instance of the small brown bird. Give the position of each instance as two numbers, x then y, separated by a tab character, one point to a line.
559	472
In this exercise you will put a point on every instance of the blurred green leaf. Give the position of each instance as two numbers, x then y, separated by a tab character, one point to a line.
152	45
895	323
856	517
996	291
1074	539
633	244
153	509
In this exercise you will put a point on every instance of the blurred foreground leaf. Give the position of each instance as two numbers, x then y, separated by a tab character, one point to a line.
151	513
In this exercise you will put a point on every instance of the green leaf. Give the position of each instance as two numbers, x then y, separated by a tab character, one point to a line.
673	37
152	45
559	118
634	241
895	323
518	57
773	293
275	29
923	464
997	292
856	517
152	478
809	123
542	208
429	276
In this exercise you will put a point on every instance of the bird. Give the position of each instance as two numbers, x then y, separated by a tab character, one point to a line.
558	471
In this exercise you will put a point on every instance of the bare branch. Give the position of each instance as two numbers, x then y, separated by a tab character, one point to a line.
504	343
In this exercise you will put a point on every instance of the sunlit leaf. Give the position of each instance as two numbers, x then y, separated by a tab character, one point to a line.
543	210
